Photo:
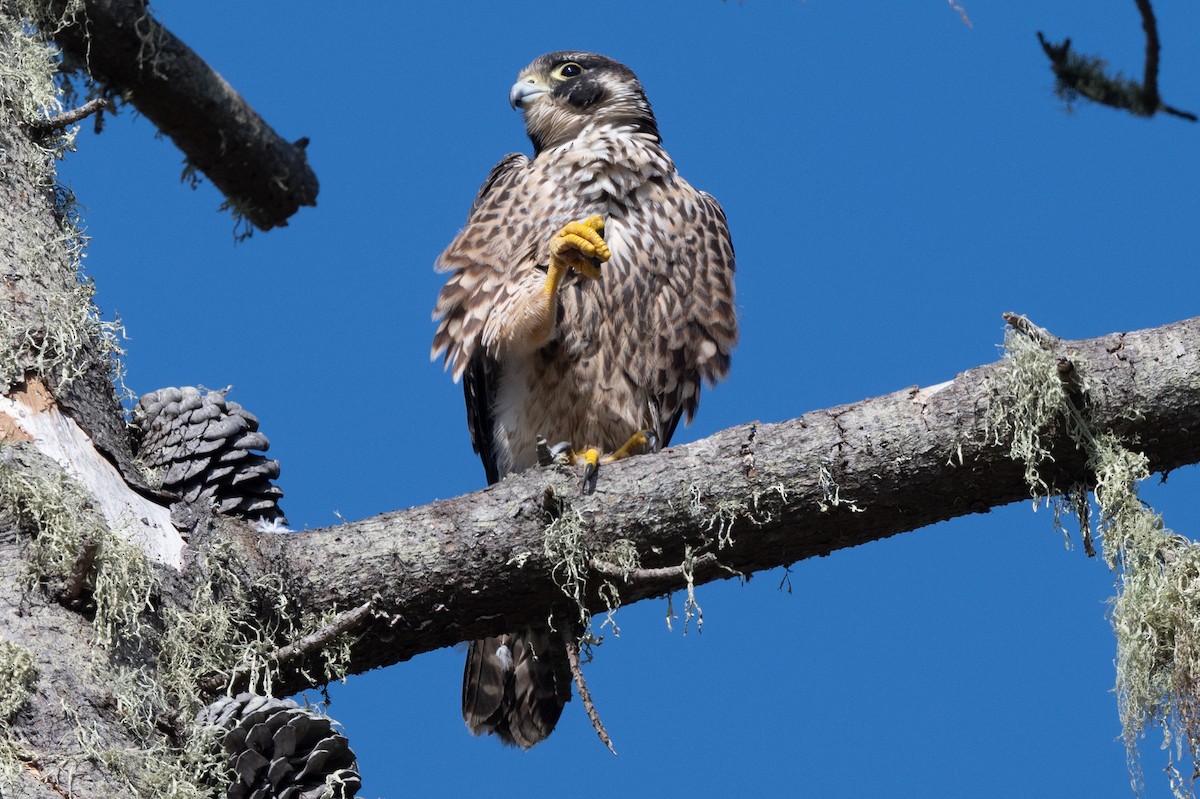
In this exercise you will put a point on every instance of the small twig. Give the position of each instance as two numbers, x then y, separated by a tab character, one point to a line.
313	642
551	504
668	575
1086	76
1069	375
1057	53
344	623
80	570
585	695
74	115
1019	322
1177	112
1150	79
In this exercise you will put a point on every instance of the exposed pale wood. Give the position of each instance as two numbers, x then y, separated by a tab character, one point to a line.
29	412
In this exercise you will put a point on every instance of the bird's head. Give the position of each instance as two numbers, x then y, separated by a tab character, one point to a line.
561	93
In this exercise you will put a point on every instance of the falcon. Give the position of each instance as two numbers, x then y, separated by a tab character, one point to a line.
588	297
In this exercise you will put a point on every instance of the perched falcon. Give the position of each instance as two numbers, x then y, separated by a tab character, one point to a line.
589	295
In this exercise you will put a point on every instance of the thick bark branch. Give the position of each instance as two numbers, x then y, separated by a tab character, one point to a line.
265	177
754	497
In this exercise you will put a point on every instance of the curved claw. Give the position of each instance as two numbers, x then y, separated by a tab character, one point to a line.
591	470
640	442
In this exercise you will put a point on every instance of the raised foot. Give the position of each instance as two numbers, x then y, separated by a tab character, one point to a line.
579	246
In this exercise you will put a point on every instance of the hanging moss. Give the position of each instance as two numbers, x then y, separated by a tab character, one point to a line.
1156	611
56	512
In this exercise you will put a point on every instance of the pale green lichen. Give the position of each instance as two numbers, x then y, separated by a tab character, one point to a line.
57	512
56	332
57	335
1156	611
831	492
691	608
719	518
1030	404
27	69
622	554
154	768
18	675
563	547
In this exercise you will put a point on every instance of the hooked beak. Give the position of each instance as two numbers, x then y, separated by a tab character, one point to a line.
527	89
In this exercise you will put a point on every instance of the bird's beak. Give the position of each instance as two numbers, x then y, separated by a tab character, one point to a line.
527	89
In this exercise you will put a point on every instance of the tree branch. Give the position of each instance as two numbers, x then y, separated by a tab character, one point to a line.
756	496
265	178
1150	71
96	104
1087	76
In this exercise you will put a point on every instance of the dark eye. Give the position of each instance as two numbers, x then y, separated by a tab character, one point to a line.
570	70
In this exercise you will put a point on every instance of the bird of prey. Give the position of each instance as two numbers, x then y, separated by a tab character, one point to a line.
589	296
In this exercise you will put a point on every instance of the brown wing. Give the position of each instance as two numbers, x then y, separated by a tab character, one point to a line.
482	261
696	323
475	260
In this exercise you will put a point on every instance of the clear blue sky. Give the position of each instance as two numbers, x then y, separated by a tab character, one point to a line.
894	180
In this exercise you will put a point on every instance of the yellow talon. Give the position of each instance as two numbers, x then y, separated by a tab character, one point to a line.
577	246
591	463
591	458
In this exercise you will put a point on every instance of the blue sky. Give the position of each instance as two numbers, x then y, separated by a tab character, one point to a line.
894	181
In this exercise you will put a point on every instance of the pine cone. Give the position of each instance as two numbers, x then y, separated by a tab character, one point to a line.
202	444
281	750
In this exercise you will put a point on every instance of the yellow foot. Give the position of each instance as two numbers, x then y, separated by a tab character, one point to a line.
591	458
578	246
638	443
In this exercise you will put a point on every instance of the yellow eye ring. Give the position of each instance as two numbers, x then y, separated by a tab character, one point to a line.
569	70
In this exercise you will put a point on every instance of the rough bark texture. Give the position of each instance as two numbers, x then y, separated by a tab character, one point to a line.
265	177
49	326
71	724
755	496
68	735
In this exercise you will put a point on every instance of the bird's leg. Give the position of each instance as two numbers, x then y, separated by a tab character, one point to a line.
578	246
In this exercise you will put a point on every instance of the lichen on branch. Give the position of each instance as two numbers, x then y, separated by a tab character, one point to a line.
1155	614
